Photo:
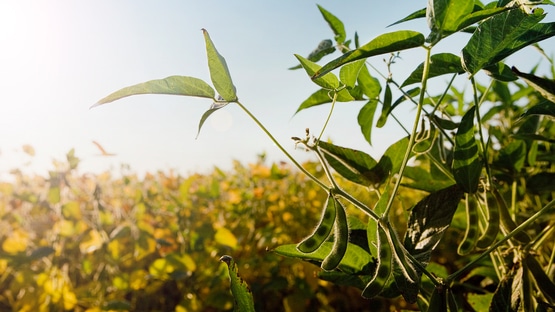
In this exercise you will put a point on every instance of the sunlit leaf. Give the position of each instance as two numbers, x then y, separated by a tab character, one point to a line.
324	48
500	71
174	85
352	164
219	72
386	107
15	242
546	87
224	237
91	242
348	74
440	64
513	155
354	261
244	301
366	119
543	108
386	43
335	24
72	211
328	81
370	85
414	15
502	35
444	16
322	96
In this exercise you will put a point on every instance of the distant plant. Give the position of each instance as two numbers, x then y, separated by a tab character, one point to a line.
485	158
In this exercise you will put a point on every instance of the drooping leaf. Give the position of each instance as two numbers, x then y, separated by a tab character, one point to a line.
324	96
239	288
370	85
174	85
441	64
328	81
350	163
467	166
542	108
324	48
502	35
366	119
386	43
216	106
428	220
356	259
336	25
546	87
219	72
349	73
500	71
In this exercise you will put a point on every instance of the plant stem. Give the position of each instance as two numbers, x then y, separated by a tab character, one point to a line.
505	238
479	121
334	99
413	133
293	160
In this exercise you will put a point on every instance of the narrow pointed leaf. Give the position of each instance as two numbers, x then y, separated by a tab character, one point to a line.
173	85
467	166
546	87
336	25
207	114
543	108
500	71
324	48
501	35
441	64
219	72
366	119
328	81
386	43
324	96
414	15
241	293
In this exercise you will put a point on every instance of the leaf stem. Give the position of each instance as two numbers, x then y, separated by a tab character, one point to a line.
334	99
412	137
273	139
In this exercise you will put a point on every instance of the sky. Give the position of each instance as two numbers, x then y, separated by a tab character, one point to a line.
60	57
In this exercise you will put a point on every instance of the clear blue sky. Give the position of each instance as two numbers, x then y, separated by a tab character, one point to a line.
60	57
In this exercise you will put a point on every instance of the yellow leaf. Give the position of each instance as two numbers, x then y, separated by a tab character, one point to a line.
72	211
28	149
16	242
92	242
138	279
225	237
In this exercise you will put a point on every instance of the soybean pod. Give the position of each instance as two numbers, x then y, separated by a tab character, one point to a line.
492	228
322	230
341	239
471	235
384	265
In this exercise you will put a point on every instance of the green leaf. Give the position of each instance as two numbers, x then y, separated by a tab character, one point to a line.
174	85
322	96
370	85
335	24
441	64
543	108
355	260
500	71
444	16
239	288
428	221
467	166
502	299
546	286
386	43
209	112
541	183
352	164
502	35
349	73
328	81
414	15
478	15
546	87
366	119
219	73
324	48
513	155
